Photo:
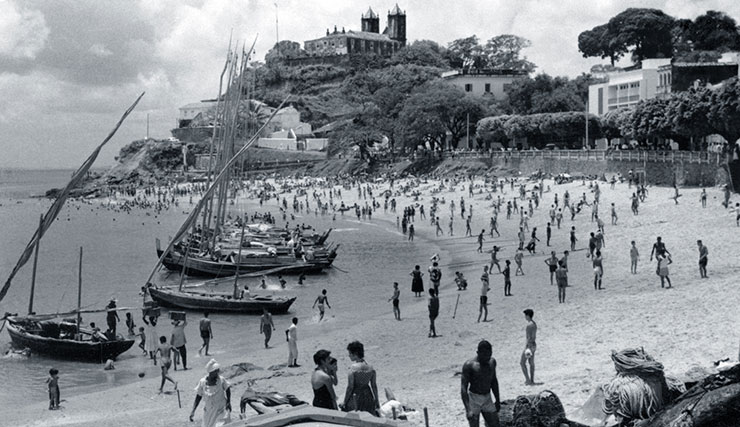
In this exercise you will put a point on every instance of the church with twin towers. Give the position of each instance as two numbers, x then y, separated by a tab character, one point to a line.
369	40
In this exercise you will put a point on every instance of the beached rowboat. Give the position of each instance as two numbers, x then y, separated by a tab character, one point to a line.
44	337
214	302
309	416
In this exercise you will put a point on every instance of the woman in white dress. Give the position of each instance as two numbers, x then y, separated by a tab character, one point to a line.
152	338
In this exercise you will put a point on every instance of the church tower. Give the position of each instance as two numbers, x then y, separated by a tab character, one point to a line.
397	25
370	21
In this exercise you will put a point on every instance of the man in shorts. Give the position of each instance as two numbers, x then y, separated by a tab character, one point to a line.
529	348
477	382
206	333
703	255
484	295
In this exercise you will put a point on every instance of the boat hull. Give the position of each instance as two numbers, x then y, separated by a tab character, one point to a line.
208	268
85	351
202	302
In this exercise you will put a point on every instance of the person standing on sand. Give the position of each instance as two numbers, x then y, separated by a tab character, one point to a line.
548	233
178	341
480	241
468	231
659	249
598	265
703	254
663	262
438	231
433	307
634	257
451	233
266	326
477	382
417	285
395	298
206	333
321	300
484	295
507	278
518	257
573	239
411	232
561	277
215	391
52	384
151	338
530	348
552	265
703	198
291	335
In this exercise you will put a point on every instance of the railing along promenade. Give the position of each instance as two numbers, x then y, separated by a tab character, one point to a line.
618	155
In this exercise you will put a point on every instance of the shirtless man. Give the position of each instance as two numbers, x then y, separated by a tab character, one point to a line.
703	254
494	258
395	299
321	300
484	295
529	348
477	382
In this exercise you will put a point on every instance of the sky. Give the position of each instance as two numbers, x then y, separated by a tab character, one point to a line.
69	68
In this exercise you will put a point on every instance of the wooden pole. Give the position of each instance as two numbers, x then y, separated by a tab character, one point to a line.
426	417
238	259
35	262
79	295
456	303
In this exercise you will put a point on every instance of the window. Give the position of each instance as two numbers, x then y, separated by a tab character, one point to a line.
488	88
468	87
506	87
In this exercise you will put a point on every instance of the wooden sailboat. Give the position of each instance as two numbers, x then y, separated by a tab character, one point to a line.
179	256
46	333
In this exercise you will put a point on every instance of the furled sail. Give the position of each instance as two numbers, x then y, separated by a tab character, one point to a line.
53	211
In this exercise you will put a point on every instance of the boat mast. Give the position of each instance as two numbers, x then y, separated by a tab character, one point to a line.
35	262
238	260
79	295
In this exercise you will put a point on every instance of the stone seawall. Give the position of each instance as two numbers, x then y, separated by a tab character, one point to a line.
659	173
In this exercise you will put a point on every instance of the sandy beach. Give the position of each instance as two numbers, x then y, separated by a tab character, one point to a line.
690	325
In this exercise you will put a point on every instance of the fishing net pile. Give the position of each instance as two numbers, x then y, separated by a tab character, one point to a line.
639	390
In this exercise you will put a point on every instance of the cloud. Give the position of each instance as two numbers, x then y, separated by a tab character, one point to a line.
23	32
99	49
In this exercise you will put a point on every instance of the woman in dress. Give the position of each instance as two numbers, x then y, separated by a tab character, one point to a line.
215	391
663	262
417	285
150	332
362	391
323	380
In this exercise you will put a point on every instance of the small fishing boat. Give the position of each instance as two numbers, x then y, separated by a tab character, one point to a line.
59	339
215	302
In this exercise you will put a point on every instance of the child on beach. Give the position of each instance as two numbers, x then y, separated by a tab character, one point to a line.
142	335
518	259
663	261
53	384
130	324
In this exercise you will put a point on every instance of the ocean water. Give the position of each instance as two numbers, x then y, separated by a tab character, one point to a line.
119	253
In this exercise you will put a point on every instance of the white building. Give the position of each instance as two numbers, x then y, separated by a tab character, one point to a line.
626	88
483	82
189	111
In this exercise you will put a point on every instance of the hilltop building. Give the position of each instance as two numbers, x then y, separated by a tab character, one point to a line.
338	45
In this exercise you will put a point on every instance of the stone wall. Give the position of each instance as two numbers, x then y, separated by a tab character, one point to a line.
657	173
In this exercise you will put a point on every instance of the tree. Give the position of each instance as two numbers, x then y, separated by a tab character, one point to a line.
421	52
466	53
649	121
714	31
724	113
437	108
688	113
616	123
284	49
504	52
597	42
491	130
545	94
647	33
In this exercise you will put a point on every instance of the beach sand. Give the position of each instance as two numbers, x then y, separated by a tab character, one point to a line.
691	324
